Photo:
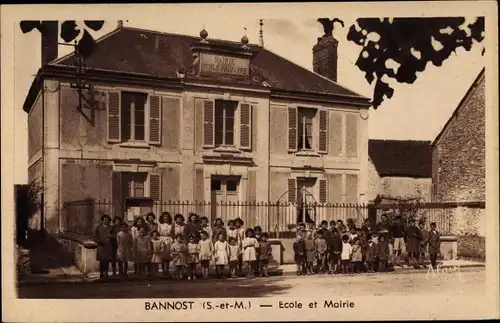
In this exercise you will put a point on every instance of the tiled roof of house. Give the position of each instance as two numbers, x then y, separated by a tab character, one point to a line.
401	158
158	54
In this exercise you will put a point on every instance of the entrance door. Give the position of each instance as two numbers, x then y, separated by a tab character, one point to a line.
305	199
224	197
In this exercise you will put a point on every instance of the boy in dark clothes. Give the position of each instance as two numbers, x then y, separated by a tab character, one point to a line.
299	249
335	250
382	252
370	252
413	239
434	241
327	234
321	252
398	234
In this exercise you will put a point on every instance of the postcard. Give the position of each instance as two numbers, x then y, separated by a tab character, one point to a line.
253	162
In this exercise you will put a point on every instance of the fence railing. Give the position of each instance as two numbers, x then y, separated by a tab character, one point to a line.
279	219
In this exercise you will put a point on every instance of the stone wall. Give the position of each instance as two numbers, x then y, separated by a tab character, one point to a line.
459	154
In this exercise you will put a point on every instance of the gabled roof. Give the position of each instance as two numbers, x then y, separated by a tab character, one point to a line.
146	52
401	158
462	103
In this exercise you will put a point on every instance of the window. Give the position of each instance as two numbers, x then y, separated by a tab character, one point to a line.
133	116
305	128
224	122
134	184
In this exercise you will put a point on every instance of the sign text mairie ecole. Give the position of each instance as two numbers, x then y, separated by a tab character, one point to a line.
217	64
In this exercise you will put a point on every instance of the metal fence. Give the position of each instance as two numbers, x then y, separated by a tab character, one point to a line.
279	219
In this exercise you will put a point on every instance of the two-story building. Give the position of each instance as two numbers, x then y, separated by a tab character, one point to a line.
176	117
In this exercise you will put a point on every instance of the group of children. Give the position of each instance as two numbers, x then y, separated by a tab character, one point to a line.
336	248
152	246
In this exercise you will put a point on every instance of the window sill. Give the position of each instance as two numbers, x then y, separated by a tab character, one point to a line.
226	150
135	144
307	153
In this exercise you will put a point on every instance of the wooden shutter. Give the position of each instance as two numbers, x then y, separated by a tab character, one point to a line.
155	187
292	129
323	131
155	120
208	123
114	113
292	190
116	188
245	126
322	191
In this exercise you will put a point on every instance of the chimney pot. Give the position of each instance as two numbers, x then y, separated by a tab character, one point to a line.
50	39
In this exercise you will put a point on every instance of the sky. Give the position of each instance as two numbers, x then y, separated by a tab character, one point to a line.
416	111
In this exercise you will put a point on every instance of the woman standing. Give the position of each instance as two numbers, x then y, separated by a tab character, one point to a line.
103	235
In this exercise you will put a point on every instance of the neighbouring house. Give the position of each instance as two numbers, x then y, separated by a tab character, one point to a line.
458	160
177	117
399	171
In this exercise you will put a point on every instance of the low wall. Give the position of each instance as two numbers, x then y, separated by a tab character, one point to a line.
83	251
449	249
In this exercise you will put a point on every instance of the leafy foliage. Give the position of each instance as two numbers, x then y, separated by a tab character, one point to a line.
28	203
411	43
70	31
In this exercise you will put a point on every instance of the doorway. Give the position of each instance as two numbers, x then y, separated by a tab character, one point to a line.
224	195
305	199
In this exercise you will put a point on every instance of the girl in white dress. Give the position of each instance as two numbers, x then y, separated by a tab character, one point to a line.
205	252
157	252
250	244
166	230
221	250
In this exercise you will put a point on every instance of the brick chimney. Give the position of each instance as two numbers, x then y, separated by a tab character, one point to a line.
325	57
50	39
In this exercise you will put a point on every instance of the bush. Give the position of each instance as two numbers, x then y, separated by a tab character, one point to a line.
471	246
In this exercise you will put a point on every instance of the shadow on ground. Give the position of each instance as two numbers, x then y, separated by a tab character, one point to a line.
241	287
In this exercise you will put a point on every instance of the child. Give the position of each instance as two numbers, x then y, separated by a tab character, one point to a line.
178	251
238	224
413	239
157	251
205	251
179	226
423	244
167	256
321	252
346	254
165	226
258	236
205	227
311	226
218	229
335	251
353	234
151	223
356	256
221	255
192	261
375	240
231	230
142	251
265	255
138	224
250	244
310	252
301	230
116	227
234	253
434	241
299	249
370	251
124	249
382	252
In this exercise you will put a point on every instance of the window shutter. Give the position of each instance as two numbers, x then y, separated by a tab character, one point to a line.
116	188
208	123
155	187
292	190
322	191
155	120
114	112
323	131
246	126
292	129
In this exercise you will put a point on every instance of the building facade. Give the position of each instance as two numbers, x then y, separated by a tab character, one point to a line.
400	171
458	158
181	118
